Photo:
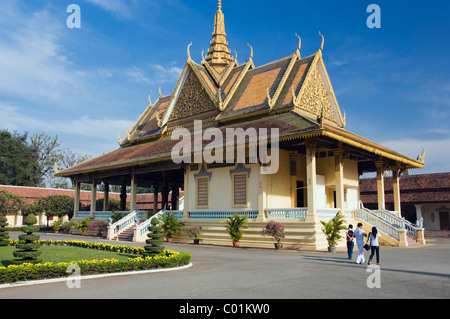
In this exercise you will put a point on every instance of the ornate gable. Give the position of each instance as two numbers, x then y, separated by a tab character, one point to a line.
193	102
316	98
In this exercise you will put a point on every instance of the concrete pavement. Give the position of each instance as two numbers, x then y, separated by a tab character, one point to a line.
220	272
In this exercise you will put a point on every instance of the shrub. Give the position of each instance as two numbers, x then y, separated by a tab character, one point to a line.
154	242
275	230
29	250
27	271
170	225
4	234
235	224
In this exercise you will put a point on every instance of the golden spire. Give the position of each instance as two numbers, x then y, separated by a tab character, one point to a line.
218	54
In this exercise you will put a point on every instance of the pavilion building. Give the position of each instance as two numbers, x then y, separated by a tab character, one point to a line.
317	162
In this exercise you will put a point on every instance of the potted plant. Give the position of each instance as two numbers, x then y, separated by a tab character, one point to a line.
275	230
84	225
171	226
194	233
235	224
332	230
56	226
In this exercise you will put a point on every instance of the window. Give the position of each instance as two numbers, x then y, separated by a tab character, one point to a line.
240	190
202	192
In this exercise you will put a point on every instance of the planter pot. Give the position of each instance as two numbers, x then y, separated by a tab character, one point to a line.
196	241
278	245
169	240
235	244
332	249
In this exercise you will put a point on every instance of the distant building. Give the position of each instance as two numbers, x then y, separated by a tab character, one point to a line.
426	196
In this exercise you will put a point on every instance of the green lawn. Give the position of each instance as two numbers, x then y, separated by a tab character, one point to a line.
56	254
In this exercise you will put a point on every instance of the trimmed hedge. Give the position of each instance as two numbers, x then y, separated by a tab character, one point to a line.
26	272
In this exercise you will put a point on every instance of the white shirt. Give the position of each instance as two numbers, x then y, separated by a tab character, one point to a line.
374	241
359	236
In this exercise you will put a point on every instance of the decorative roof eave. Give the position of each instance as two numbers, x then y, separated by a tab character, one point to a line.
375	149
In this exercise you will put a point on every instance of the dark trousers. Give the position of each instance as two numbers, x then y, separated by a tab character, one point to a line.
350	245
377	250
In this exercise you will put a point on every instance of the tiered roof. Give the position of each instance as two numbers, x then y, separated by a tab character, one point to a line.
293	93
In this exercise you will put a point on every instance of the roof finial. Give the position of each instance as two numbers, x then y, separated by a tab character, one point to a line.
323	41
219	55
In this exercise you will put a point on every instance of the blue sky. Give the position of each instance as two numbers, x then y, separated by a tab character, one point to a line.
88	84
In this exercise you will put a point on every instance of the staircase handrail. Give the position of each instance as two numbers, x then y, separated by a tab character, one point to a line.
396	221
123	223
375	220
411	228
142	228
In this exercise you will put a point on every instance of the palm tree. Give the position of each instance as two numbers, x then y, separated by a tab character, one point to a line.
235	224
332	230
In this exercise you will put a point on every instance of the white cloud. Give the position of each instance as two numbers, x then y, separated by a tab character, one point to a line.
118	7
86	134
33	64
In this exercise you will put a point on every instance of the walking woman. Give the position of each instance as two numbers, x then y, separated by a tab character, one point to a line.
374	245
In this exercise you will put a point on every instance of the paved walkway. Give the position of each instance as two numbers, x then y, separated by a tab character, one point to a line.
220	272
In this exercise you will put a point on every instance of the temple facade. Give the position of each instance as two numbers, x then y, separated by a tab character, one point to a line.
266	141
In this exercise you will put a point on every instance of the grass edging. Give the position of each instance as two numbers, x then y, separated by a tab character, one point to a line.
26	272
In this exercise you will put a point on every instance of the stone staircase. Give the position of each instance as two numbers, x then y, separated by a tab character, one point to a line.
126	235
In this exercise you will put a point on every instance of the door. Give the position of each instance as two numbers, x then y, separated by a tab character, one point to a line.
300	194
444	220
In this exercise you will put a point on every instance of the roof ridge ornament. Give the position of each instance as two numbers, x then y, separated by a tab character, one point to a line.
251	52
421	157
189	52
297	52
323	41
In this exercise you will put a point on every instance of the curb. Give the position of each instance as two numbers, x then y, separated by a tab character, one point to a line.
48	281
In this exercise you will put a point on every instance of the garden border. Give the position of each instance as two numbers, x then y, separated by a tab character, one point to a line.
55	280
132	263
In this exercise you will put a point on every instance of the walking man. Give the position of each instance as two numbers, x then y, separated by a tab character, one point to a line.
359	234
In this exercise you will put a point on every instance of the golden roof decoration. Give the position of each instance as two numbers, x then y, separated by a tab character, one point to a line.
219	56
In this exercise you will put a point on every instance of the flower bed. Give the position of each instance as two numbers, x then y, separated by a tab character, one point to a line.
26	272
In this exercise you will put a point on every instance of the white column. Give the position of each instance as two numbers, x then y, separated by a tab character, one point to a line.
419	214
396	191
339	180
187	191
311	176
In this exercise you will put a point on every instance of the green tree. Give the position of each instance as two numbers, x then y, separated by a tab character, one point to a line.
155	239
18	161
56	205
29	250
49	153
10	204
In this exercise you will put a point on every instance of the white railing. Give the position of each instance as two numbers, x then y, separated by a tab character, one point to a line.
396	221
327	213
286	213
370	218
122	225
141	230
222	214
411	229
